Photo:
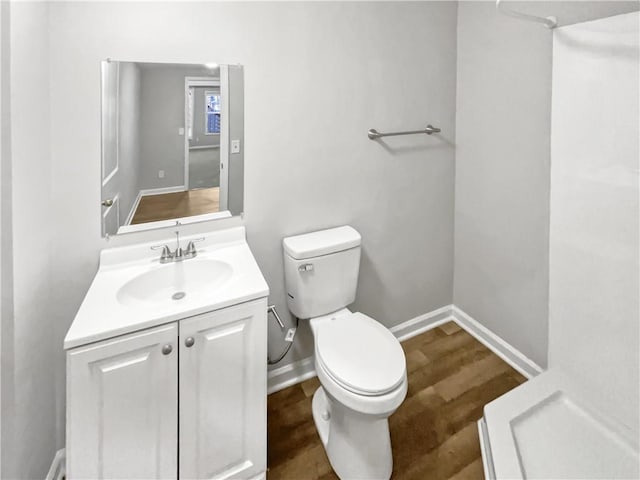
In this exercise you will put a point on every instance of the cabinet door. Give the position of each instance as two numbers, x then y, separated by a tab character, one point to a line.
122	407
223	393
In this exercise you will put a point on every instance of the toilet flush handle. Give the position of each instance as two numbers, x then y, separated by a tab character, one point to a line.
306	267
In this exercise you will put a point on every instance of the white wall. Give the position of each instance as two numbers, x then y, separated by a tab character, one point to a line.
594	257
502	175
503	122
6	249
29	402
310	99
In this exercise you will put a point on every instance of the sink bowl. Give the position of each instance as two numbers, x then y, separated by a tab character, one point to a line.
174	282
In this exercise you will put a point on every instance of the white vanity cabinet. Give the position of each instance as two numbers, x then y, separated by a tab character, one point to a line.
185	400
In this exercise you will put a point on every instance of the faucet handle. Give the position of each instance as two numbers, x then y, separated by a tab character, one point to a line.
166	255
191	251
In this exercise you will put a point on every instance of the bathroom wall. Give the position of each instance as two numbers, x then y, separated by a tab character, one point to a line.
6	249
503	124
28	352
502	175
594	258
310	99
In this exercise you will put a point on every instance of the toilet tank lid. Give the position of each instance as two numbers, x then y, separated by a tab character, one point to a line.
322	242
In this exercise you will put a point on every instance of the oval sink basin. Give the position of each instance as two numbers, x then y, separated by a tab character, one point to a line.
174	282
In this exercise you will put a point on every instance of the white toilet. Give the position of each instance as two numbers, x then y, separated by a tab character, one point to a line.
360	364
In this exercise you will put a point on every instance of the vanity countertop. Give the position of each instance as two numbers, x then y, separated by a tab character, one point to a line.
103	313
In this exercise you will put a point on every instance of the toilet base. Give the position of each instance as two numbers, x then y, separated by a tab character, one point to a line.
321	415
358	446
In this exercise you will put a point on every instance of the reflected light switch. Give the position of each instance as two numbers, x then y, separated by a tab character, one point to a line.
235	146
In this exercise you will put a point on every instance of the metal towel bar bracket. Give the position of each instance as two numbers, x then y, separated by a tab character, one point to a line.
373	133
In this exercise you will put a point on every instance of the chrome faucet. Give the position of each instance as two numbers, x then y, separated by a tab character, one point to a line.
179	254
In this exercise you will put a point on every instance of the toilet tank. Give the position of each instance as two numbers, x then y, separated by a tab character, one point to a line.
321	270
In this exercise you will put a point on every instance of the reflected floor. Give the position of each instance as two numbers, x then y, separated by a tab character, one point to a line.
167	206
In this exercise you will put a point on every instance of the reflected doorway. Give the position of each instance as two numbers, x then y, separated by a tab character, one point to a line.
204	123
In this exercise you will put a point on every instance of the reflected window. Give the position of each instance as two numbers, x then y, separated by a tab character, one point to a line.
212	112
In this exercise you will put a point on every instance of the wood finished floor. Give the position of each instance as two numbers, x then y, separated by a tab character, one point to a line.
167	206
434	434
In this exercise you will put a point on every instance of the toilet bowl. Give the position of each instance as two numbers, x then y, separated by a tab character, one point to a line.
357	395
359	362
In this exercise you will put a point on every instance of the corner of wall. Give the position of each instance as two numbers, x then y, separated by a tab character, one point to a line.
27	347
6	254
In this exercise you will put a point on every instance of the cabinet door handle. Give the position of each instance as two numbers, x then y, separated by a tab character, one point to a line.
189	341
167	349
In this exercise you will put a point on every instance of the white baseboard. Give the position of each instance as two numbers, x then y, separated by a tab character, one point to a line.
485	450
422	323
497	345
134	207
291	374
57	469
304	369
160	190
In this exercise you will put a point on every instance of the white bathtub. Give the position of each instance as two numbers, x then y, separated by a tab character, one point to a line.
545	429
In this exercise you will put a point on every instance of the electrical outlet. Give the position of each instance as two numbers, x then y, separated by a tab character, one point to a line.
235	146
160	173
290	334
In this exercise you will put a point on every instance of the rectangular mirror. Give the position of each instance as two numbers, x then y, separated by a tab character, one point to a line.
172	144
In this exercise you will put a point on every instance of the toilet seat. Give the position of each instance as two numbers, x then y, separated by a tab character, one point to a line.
360	355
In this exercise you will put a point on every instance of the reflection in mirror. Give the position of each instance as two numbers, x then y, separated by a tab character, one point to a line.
172	144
